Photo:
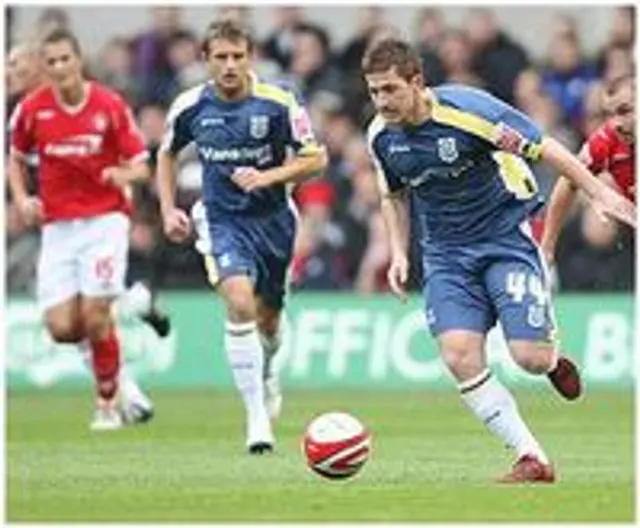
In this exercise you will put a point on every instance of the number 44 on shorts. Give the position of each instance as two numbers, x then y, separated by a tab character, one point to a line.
517	286
519	283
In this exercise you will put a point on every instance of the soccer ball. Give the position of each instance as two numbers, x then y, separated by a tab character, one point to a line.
336	445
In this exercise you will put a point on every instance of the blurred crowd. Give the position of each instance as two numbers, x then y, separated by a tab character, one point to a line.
341	242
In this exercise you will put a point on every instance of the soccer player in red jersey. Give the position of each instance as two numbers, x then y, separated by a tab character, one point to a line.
610	149
90	151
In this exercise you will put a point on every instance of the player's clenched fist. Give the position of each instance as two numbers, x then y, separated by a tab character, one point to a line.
118	176
31	211
177	226
250	178
397	276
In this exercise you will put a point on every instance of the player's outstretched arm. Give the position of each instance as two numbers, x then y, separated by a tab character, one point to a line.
604	197
176	223
29	206
560	203
396	219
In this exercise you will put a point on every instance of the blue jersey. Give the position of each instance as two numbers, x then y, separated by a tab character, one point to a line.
465	167
258	131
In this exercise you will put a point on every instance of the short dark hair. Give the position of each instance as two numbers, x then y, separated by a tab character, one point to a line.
226	29
62	35
389	53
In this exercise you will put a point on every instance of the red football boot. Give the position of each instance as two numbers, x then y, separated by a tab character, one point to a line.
566	379
529	469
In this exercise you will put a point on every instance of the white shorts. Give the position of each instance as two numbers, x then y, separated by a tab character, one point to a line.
86	256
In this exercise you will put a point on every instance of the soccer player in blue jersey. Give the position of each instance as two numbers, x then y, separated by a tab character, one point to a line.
253	139
459	157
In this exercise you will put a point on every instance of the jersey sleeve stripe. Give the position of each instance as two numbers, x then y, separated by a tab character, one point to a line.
476	125
516	175
310	149
274	93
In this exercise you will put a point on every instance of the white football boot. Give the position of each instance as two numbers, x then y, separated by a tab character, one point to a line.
106	417
135	406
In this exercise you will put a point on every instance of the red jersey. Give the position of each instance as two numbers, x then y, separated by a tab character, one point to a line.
604	151
74	146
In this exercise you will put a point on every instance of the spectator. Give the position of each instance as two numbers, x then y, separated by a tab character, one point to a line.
184	60
338	131
237	12
151	55
623	27
455	57
319	254
595	255
115	68
431	32
567	78
594	114
279	44
23	73
50	19
362	222
564	26
311	67
370	22
22	248
617	62
527	89
497	59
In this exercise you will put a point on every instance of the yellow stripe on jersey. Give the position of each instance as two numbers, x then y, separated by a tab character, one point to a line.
516	175
271	92
476	125
274	93
212	270
466	121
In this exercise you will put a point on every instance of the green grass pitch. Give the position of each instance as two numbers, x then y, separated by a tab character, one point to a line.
432	461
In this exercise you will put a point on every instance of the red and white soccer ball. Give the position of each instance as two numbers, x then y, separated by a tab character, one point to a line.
336	445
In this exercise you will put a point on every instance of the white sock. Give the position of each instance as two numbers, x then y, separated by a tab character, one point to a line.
246	359
270	346
494	405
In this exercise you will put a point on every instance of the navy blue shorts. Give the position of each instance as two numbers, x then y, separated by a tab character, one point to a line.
260	247
472	287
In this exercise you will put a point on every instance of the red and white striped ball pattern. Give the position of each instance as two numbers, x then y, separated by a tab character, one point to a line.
336	445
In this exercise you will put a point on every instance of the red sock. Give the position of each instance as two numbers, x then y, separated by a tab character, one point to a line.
106	364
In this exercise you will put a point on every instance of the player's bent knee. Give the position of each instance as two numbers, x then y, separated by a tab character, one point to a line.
241	305
462	353
535	358
64	330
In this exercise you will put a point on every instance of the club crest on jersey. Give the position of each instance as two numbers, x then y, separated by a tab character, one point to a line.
259	126
100	122
447	149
